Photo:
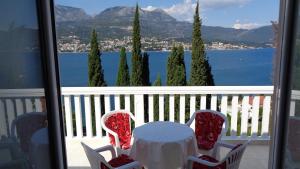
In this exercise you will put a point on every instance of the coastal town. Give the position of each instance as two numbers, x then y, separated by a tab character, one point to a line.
74	44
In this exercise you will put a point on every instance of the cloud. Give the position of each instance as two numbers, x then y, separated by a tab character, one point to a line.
185	9
222	3
248	26
182	11
149	8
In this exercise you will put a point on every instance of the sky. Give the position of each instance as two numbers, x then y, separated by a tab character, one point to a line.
239	14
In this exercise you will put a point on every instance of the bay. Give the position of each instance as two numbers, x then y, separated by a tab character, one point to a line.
250	67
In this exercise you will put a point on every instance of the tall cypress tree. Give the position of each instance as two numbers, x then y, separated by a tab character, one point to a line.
136	59
95	70
176	74
146	71
200	68
157	82
123	72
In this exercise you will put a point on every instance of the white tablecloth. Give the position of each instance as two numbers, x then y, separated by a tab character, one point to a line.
163	145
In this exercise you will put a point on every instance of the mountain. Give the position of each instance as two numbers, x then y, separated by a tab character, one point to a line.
116	22
66	13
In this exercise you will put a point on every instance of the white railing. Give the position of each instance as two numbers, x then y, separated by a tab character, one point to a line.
294	99
248	107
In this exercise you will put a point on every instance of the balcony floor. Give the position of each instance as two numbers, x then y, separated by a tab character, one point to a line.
255	156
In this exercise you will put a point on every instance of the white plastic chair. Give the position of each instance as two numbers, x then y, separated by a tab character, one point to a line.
222	132
96	159
117	143
231	161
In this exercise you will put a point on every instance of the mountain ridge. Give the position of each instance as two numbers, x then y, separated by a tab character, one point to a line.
115	22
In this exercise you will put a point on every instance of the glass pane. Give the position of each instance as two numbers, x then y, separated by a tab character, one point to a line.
24	140
292	153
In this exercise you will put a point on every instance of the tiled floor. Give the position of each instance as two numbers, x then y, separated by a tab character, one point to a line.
255	157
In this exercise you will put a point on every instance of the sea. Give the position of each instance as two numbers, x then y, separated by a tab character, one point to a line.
245	67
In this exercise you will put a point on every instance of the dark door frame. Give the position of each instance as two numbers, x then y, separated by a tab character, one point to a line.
282	82
45	11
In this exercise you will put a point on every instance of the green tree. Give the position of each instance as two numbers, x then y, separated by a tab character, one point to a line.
157	82
200	68
123	71
146	72
123	74
136	59
176	76
95	70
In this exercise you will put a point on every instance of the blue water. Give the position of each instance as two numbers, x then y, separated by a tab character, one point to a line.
229	67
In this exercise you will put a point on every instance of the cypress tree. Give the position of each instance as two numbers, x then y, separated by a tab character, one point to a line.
123	72
96	73
136	59
146	72
157	82
176	74
200	68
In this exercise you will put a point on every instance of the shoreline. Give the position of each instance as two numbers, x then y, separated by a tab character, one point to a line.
185	50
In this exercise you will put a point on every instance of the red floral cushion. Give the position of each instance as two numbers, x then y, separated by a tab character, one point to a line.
118	161
119	123
209	159
208	127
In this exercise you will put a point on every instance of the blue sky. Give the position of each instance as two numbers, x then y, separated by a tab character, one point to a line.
227	13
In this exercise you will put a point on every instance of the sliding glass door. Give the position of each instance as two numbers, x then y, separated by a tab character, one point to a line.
30	123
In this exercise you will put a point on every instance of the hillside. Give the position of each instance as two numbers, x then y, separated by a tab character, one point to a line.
116	22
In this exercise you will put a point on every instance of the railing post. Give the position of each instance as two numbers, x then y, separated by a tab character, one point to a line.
3	127
171	108
98	115
78	116
266	116
68	115
139	109
88	116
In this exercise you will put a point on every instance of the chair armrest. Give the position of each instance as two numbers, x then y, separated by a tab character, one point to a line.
224	144
135	165
192	159
117	141
107	148
189	122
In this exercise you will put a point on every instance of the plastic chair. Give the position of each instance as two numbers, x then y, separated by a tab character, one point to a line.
97	161
209	127
231	161
118	126
25	125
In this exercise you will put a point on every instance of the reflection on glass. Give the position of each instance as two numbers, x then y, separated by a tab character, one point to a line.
24	140
292	153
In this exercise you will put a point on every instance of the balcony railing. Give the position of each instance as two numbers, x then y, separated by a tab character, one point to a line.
248	108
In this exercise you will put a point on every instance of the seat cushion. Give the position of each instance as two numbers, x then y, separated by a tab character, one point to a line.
118	161
208	127
120	123
209	159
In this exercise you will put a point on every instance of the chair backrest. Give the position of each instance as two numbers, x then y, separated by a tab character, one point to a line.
209	127
118	121
234	157
24	126
94	157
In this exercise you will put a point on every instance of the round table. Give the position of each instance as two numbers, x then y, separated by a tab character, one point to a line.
163	145
40	154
